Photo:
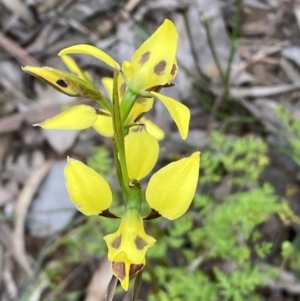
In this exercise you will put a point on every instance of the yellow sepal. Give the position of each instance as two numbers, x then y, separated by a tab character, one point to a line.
153	61
65	82
88	191
178	111
171	190
91	50
53	77
153	129
74	68
104	126
76	118
141	150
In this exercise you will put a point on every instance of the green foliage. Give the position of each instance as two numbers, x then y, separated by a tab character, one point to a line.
291	133
100	160
207	254
241	159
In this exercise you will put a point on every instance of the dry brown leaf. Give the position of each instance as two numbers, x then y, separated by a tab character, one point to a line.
263	91
19	9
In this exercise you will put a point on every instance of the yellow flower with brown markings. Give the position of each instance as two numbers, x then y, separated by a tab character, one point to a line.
152	65
127	247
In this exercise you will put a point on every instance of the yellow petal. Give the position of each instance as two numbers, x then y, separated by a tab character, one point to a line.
152	63
91	50
171	190
130	242
88	191
178	111
73	67
53	77
121	270
76	118
153	129
104	126
127	69
128	72
141	105
127	246
141	151
107	83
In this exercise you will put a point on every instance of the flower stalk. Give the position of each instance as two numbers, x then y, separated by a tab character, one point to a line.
119	146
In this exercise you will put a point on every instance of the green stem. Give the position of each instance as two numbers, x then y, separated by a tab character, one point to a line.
119	169
103	101
127	103
135	196
213	49
234	38
193	50
119	140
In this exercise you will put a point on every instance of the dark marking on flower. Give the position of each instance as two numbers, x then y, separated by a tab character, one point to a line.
119	269
135	268
145	57
138	128
122	89
160	67
174	69
141	100
62	83
140	243
117	242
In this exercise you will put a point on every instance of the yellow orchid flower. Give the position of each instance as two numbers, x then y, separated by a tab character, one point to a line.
104	126
153	64
76	84
133	88
127	247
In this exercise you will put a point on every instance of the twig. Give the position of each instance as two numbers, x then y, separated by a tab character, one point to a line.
22	206
17	52
234	38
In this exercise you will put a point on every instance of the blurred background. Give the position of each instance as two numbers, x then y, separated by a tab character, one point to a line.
239	73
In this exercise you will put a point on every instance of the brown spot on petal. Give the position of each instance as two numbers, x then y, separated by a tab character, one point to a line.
141	100
135	268
118	269
174	69
117	242
160	67
122	89
145	57
62	83
140	243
